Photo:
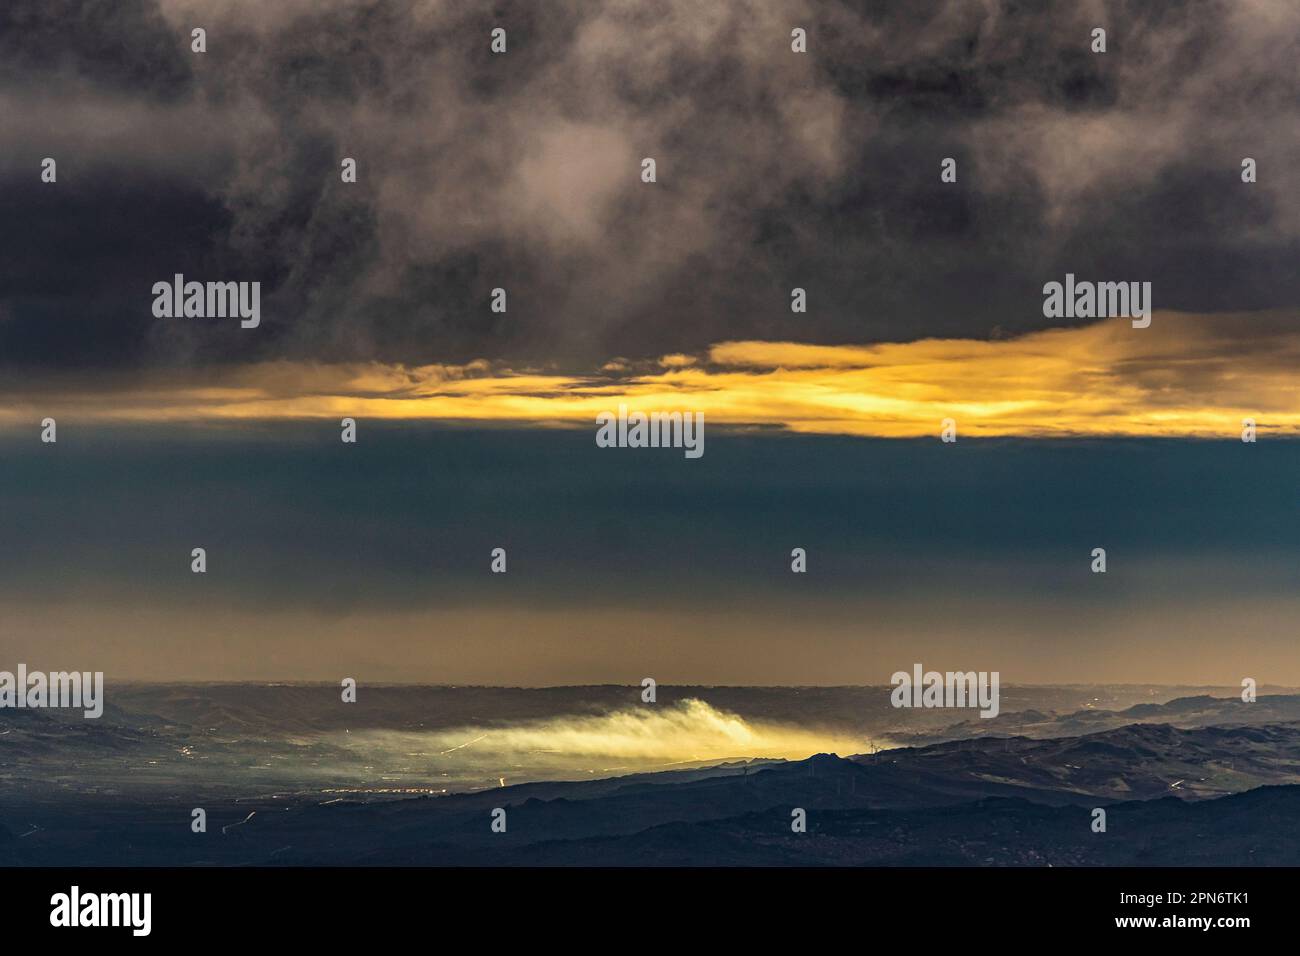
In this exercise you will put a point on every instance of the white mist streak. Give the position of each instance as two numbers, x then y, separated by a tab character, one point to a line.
689	730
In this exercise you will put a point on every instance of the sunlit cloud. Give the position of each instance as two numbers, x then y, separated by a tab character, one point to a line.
1186	375
691	730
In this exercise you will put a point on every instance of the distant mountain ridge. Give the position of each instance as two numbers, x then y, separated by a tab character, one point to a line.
1201	710
949	803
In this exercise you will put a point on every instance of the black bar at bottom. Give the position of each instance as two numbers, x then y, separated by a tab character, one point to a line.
342	906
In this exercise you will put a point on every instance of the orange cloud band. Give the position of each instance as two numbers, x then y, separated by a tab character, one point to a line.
1186	375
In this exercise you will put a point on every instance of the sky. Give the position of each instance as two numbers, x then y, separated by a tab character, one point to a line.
775	170
373	560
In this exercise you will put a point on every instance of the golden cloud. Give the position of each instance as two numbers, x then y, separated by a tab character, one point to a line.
1186	375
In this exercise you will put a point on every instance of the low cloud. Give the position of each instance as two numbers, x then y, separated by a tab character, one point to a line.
691	730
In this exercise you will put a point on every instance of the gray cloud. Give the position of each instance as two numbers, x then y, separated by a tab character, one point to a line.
522	170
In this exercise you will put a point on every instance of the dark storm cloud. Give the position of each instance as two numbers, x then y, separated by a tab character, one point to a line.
521	171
